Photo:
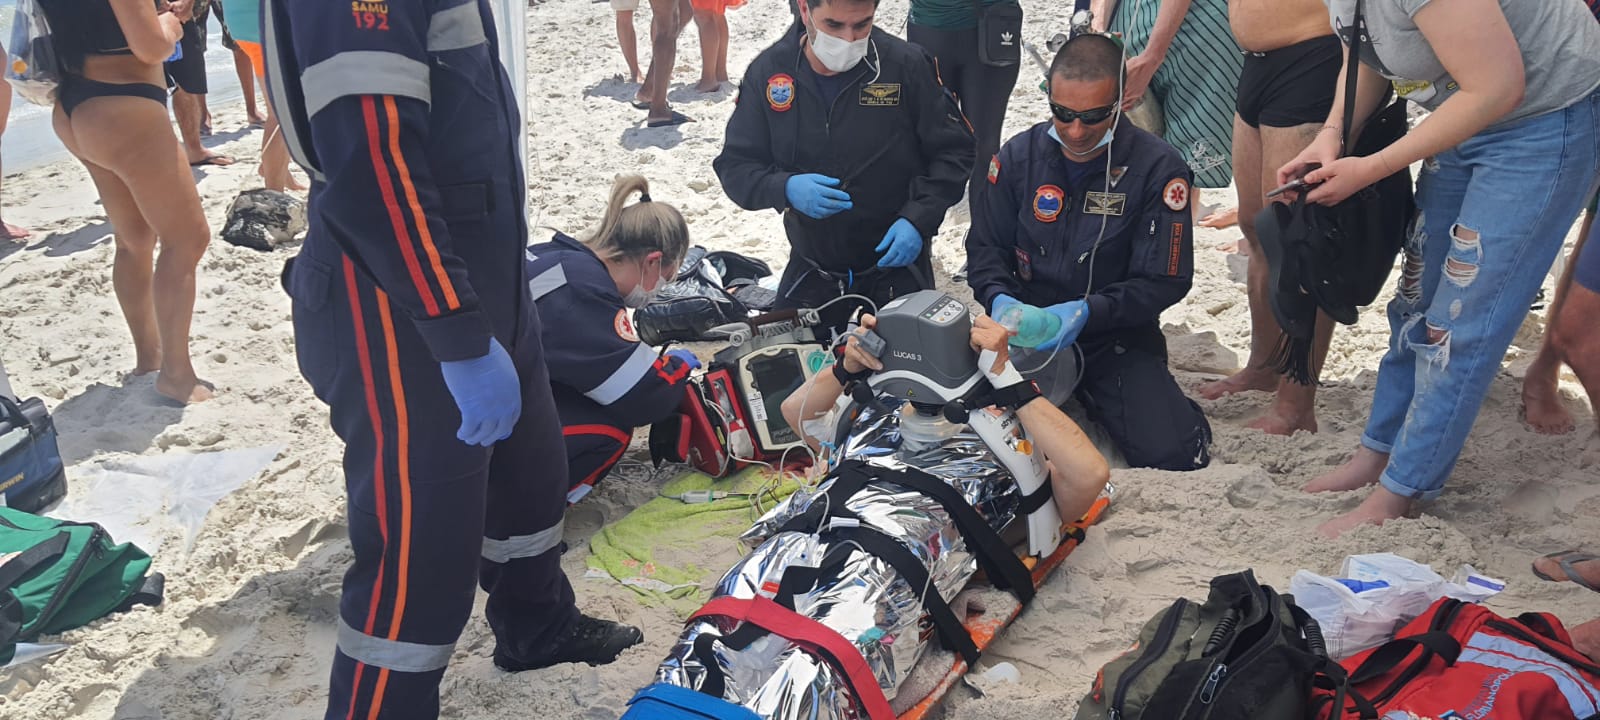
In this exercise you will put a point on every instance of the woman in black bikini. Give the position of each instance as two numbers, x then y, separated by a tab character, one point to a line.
111	114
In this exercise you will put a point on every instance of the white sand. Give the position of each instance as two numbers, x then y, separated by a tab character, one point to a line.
247	630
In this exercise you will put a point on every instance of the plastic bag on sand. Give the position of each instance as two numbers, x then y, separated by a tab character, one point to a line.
1377	594
147	499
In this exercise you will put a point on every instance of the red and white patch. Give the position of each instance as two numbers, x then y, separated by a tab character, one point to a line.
624	326
994	169
1176	195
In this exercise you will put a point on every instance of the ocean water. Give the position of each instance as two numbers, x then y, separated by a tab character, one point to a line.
29	140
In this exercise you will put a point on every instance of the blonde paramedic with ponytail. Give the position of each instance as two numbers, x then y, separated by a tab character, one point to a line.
606	382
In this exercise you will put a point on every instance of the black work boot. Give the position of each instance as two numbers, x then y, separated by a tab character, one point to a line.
588	640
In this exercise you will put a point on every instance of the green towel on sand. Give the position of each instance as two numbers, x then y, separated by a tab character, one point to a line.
671	552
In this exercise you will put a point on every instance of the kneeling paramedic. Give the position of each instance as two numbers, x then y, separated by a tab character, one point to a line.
1077	470
412	321
606	382
1098	234
847	131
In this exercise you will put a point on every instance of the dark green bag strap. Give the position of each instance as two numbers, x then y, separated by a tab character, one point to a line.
152	591
28	560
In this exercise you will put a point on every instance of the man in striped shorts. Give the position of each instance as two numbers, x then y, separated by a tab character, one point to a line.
1184	65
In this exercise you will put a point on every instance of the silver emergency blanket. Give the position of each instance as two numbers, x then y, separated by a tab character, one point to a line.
866	601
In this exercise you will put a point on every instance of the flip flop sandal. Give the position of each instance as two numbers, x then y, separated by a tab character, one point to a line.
1568	560
677	118
216	161
640	105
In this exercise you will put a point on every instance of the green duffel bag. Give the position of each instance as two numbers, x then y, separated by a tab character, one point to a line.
1247	652
57	575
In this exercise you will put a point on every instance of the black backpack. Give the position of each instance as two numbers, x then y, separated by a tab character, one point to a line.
1247	652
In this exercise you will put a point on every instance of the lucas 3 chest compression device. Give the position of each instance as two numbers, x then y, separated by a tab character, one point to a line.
928	361
927	355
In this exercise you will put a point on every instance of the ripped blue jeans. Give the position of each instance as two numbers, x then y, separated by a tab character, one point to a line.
1492	214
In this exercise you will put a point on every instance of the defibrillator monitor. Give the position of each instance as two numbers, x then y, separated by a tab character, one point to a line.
766	378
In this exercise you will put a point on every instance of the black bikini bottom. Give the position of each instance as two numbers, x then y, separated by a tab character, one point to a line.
75	90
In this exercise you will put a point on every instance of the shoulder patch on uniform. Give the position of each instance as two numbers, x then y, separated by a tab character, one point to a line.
780	92
1175	250
624	326
1047	203
994	169
1176	195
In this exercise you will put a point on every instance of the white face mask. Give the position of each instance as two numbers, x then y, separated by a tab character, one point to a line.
638	297
838	54
1104	141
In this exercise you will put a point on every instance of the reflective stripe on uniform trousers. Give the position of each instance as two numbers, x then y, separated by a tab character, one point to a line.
547	282
625	377
522	546
1517	657
395	655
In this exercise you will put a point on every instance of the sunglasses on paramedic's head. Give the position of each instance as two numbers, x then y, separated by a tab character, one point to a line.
1089	117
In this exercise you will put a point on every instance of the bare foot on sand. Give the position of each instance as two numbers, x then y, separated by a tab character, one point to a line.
287	183
1280	421
14	232
1542	409
1362	469
1586	638
708	86
185	392
1379	507
1226	217
1246	379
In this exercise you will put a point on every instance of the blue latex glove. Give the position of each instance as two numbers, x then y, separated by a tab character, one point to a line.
1074	315
903	244
1001	302
816	196
687	357
488	393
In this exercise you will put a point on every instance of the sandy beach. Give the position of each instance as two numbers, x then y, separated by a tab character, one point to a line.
247	630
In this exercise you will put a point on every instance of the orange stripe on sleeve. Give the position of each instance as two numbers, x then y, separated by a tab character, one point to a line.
392	204
450	299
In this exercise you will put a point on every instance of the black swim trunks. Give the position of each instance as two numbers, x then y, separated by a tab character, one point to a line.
189	72
1290	86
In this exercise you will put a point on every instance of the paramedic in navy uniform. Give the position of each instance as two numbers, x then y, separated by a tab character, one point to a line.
1033	241
412	321
848	132
606	382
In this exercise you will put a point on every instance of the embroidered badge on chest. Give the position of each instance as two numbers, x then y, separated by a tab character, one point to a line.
880	95
1048	201
780	92
1103	203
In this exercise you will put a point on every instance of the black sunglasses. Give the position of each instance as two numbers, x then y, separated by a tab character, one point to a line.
1089	117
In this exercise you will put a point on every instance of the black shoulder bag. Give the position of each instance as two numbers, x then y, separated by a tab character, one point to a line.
1338	258
999	32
